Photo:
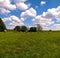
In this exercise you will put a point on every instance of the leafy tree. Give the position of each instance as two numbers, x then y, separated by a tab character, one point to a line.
2	25
39	28
50	30
33	29
17	28
24	28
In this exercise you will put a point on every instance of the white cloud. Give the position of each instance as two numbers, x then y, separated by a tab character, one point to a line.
22	19
45	19
6	6
22	6
55	27
1	0
43	2
42	21
29	13
29	4
11	7
13	21
4	11
19	1
12	18
53	13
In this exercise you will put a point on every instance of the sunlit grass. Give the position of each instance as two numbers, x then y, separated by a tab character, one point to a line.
29	45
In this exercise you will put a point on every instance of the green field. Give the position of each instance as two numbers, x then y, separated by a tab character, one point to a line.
29	45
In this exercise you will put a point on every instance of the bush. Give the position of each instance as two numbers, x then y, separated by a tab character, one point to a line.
2	25
50	30
24	28
17	28
20	28
33	29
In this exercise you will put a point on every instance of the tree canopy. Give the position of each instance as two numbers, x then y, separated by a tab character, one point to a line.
20	28
24	28
2	25
39	27
17	28
33	29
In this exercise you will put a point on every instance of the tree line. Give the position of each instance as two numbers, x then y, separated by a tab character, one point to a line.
20	28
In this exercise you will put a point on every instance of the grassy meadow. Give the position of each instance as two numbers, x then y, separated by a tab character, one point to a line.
30	44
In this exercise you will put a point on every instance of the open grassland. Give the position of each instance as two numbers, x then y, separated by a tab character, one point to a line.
29	45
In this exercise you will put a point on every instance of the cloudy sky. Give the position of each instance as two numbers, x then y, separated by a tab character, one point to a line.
31	12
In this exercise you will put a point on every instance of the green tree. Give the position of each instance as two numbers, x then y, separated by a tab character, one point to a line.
33	29
39	28
2	25
17	28
24	28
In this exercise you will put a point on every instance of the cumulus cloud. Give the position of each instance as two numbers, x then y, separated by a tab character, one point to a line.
29	13
6	6
11	7
18	1
52	13
42	21
13	21
55	27
46	18
4	11
21	4
43	2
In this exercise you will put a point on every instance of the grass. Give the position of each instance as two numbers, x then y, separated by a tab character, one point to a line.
30	45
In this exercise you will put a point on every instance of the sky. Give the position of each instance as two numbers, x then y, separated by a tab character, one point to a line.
31	12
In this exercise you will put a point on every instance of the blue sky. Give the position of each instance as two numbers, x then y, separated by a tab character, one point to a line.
31	12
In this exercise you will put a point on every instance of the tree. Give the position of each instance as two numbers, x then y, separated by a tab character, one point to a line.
24	28
2	25
33	29
17	28
39	28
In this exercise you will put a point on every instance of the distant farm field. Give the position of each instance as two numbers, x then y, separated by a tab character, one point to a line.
29	45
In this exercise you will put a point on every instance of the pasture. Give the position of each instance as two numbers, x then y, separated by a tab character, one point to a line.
30	44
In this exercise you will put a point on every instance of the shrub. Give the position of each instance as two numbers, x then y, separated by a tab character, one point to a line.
17	28
33	29
24	28
50	30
